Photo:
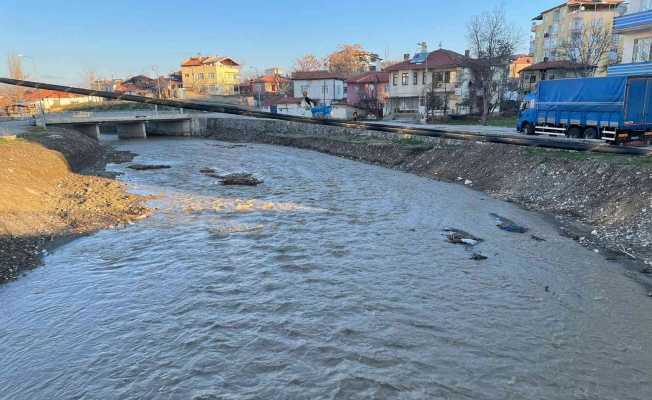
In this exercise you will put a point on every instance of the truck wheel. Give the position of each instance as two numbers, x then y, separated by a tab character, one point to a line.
575	133
591	133
528	129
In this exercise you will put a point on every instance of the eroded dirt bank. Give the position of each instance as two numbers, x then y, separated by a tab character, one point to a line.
45	199
602	201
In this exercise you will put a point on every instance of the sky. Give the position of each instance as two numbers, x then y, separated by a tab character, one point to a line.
62	41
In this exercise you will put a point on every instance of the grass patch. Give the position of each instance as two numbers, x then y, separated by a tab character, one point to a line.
411	141
645	161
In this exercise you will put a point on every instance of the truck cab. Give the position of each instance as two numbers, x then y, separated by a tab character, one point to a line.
527	114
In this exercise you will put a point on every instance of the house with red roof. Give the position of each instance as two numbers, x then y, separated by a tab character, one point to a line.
271	85
368	91
214	75
442	73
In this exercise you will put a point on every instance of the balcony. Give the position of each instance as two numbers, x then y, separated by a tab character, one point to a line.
633	22
644	68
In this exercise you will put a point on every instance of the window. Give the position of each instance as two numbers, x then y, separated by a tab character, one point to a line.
415	78
395	79
187	75
533	79
201	76
424	77
447	77
642	50
211	75
438	77
646	5
404	78
578	24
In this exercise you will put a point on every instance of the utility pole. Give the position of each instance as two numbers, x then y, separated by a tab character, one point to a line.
158	87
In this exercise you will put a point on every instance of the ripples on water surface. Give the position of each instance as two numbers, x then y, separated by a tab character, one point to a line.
331	280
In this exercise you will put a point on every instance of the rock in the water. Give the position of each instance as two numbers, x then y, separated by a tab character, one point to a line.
537	238
207	171
508	225
240	179
145	167
478	257
457	236
647	271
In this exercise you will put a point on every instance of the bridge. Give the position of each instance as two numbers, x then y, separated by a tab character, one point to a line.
129	126
135	128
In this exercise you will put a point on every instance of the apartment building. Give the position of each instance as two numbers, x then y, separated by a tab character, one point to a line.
635	27
211	75
566	23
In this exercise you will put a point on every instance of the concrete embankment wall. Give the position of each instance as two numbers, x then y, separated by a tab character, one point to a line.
601	200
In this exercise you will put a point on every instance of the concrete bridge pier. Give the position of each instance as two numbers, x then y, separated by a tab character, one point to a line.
170	128
136	130
90	130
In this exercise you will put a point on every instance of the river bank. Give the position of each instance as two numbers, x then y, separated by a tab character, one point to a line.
54	188
602	201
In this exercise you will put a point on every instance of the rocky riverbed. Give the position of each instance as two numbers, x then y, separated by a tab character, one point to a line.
53	187
602	201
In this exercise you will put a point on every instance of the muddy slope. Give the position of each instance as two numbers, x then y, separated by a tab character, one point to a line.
42	199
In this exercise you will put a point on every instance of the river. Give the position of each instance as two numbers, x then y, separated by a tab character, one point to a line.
332	280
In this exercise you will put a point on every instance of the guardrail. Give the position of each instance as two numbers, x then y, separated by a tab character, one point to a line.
535	141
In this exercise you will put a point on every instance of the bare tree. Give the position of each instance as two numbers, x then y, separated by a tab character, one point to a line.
493	41
308	63
587	46
15	94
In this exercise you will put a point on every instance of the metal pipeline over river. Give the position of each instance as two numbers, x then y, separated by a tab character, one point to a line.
546	142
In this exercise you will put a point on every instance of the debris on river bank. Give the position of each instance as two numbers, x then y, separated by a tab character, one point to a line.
508	225
457	236
233	179
147	167
243	179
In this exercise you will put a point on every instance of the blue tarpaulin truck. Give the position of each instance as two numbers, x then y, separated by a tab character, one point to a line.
616	109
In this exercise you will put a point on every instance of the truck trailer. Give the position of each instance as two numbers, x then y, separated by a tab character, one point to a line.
616	109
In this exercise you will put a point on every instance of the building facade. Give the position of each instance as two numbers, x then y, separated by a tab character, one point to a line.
520	62
369	92
442	73
271	85
549	70
556	30
635	27
325	86
211	75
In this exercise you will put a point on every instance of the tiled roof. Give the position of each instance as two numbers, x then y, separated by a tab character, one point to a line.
579	3
273	101
202	60
556	65
370	77
271	79
437	59
317	75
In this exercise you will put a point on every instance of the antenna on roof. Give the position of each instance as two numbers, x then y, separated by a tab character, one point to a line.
440	46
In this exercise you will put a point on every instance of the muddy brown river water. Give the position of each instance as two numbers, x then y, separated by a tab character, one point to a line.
332	280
